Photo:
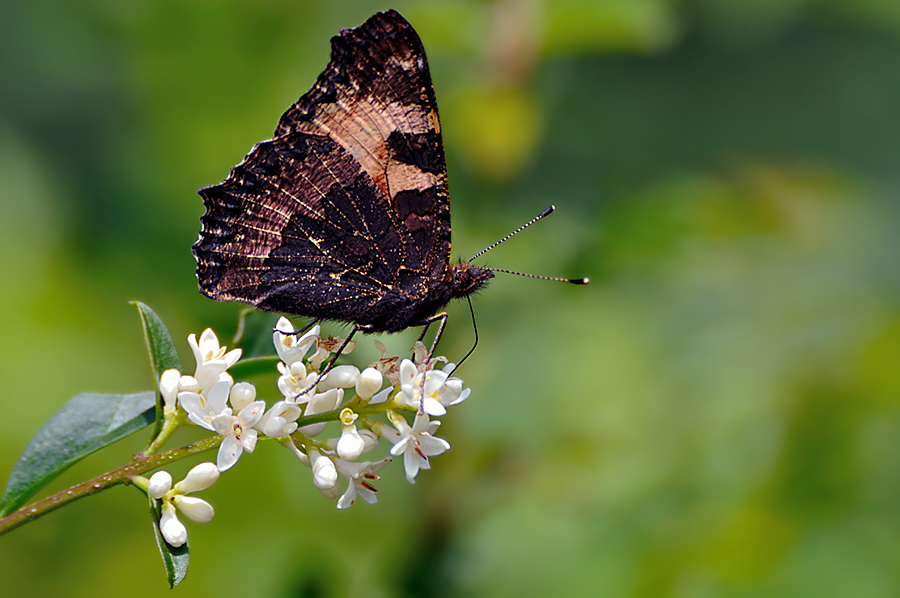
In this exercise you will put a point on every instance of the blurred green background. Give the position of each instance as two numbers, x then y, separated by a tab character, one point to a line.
717	414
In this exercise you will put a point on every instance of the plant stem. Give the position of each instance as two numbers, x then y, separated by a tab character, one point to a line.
121	475
141	463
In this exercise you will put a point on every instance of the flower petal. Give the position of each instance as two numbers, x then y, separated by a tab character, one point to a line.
229	452
248	440
407	372
252	413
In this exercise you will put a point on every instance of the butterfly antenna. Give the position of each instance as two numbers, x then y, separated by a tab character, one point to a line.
543	214
526	275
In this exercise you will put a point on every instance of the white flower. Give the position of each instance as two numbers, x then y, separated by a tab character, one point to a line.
452	392
295	383
211	359
359	476
223	378
432	392
196	509
202	410
325	476
415	443
293	347
238	432
280	420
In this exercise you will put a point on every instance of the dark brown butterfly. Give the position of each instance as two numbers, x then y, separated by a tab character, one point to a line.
344	214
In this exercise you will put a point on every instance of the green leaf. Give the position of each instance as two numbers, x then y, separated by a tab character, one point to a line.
163	355
86	424
175	560
160	345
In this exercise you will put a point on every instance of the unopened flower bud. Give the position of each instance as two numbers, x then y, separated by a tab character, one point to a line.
200	477
159	483
188	383
350	445
342	376
242	394
195	509
368	383
325	475
172	530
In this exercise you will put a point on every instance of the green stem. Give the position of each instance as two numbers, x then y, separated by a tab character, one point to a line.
146	462
122	475
170	424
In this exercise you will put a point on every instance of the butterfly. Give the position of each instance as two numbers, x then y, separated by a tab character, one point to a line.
344	214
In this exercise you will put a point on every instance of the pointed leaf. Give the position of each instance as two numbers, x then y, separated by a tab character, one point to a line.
83	426
160	345
175	560
163	355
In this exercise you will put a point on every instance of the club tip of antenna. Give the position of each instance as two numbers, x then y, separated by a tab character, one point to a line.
584	280
547	211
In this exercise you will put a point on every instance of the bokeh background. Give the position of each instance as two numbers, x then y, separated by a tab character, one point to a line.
717	414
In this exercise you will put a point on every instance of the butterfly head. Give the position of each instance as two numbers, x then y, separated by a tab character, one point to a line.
468	279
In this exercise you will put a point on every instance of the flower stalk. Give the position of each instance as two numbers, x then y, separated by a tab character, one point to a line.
391	400
121	475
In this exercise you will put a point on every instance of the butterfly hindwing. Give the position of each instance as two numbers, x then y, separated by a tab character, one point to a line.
344	214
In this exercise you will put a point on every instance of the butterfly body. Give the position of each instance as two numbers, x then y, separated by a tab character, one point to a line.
344	214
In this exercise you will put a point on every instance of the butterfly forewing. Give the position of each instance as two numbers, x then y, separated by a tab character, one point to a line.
344	214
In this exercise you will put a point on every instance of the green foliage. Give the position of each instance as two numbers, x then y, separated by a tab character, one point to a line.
160	346
163	355
717	414
174	559
86	424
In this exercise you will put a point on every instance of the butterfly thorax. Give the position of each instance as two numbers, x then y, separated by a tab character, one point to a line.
414	303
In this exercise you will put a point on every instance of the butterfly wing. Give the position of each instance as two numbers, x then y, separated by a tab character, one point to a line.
344	214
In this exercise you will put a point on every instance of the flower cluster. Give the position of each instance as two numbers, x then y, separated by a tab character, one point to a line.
368	405
159	486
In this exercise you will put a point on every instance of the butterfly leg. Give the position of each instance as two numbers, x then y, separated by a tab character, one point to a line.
324	371
442	317
356	328
302	331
